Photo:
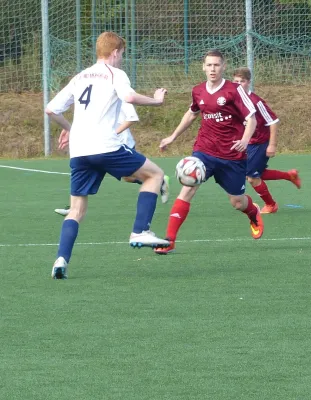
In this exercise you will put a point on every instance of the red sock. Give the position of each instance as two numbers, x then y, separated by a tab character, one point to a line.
251	209
263	191
178	214
274	175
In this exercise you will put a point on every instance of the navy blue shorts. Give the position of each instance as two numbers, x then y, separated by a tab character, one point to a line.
229	174
87	172
257	160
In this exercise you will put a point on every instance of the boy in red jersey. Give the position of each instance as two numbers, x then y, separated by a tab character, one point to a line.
221	144
262	146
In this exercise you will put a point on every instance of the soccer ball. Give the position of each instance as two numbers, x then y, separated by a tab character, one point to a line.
190	171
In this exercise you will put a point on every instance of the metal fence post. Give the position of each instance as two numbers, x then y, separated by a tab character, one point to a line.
133	45
249	38
186	35
78	36
46	57
94	30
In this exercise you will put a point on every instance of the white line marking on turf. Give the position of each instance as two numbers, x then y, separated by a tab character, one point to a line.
35	170
177	241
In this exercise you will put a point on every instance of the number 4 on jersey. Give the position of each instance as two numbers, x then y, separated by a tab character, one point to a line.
85	97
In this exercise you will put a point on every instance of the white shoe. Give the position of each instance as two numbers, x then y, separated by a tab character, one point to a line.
147	239
59	270
63	211
165	189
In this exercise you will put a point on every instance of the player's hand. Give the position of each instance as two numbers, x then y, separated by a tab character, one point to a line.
63	140
159	94
165	142
239	145
271	150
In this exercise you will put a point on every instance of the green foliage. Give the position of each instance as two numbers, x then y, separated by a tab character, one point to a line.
163	53
294	2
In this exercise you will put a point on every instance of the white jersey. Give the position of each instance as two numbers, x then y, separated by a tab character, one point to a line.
97	94
127	113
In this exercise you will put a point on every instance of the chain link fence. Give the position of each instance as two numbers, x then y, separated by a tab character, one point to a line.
166	40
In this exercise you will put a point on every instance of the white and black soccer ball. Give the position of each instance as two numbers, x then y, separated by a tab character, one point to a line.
190	171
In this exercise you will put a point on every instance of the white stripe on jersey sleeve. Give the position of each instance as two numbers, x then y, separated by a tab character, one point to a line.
264	112
247	101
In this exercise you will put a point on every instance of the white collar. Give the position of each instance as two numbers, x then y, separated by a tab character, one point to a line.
212	91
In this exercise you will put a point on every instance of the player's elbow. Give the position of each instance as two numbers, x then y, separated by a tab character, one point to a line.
252	121
190	116
130	98
193	116
48	112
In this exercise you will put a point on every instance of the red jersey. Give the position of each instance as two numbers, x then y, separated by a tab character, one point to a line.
223	110
265	117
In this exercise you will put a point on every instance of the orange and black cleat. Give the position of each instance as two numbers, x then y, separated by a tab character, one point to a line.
294	178
269	208
166	250
257	226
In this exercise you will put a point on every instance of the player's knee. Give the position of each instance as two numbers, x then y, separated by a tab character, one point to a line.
160	174
253	181
77	213
237	203
128	179
187	193
156	174
150	171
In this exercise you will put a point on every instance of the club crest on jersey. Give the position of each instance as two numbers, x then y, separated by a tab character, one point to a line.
221	101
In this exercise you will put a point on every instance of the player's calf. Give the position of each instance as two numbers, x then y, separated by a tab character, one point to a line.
151	175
